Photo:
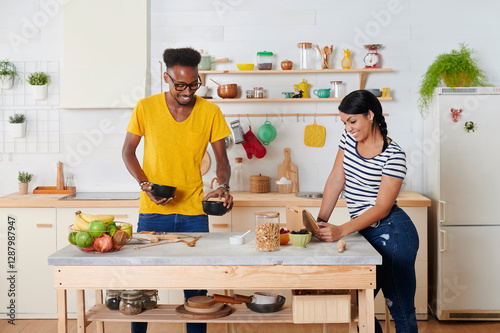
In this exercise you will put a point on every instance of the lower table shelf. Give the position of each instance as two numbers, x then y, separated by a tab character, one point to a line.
166	313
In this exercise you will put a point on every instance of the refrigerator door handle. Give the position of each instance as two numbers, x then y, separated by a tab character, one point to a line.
442	211
442	243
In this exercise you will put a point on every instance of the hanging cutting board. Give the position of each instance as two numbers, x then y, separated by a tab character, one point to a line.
290	171
205	163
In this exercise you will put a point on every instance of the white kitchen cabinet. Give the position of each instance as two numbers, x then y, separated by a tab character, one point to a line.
35	240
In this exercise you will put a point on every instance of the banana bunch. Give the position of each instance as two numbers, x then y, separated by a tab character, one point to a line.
82	220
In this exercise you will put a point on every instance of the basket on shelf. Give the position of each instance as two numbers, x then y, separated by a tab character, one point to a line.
259	184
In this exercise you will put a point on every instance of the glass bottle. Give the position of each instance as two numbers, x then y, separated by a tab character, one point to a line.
267	231
131	302
238	174
305	55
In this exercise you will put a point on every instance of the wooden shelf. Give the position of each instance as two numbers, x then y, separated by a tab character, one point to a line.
361	71
166	313
299	71
280	100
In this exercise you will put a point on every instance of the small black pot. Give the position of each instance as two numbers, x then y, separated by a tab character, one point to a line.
214	208
267	308
162	191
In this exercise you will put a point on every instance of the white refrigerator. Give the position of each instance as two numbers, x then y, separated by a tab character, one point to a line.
461	154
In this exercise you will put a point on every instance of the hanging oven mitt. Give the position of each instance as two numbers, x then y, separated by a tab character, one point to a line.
314	135
252	145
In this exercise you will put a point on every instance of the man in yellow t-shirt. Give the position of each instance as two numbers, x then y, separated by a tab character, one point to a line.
177	126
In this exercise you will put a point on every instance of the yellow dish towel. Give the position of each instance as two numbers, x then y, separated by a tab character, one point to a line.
314	135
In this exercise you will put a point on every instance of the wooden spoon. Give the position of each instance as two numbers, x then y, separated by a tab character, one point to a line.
215	82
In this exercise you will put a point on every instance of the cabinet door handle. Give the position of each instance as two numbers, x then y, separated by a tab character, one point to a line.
39	225
220	225
441	211
118	216
442	245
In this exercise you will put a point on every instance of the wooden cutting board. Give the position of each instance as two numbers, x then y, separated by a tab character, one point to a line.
205	163
297	218
290	171
225	311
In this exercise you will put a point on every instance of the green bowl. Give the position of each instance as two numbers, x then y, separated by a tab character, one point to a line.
300	241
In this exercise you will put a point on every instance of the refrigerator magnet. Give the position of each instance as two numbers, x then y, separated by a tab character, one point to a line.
455	114
470	126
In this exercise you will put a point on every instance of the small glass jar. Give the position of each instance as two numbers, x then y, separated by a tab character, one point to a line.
249	93
131	302
265	60
258	92
113	299
149	299
267	231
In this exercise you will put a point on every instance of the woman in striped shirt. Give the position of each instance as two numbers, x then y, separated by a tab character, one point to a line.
372	167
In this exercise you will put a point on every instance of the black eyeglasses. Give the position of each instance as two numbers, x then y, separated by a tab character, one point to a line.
182	86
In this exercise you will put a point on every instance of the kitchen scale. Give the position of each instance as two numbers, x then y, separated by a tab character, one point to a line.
372	58
102	196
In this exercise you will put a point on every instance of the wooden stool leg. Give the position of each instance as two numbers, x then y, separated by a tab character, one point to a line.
80	311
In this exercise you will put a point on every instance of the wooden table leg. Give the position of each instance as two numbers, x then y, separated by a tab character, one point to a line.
366	311
80	311
62	311
98	300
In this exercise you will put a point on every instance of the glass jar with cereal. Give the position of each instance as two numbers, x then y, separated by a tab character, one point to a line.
267	231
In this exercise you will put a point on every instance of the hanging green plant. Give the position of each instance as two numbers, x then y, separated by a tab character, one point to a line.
456	69
38	79
8	74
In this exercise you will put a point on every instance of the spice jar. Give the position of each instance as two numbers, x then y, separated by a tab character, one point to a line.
149	299
305	55
265	60
131	302
113	299
249	93
258	92
267	231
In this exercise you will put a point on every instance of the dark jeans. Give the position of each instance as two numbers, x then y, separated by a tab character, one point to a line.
174	223
396	239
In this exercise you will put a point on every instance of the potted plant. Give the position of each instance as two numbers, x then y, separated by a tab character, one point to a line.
39	82
18	125
24	178
456	69
8	75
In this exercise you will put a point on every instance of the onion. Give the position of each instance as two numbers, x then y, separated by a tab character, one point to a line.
103	243
88	248
120	238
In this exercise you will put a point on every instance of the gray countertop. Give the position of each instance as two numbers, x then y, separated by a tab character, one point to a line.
214	249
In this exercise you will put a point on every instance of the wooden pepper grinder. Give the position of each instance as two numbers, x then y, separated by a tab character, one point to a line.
60	176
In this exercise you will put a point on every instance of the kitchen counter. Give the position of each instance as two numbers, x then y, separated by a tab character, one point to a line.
215	264
241	199
214	249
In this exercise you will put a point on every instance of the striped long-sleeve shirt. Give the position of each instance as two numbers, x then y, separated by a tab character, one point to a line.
364	175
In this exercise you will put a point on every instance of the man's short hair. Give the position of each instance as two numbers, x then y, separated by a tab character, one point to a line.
186	56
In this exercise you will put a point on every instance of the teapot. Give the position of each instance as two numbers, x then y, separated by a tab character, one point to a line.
302	86
206	61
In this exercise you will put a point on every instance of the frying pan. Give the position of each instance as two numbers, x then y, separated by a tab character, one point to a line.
261	308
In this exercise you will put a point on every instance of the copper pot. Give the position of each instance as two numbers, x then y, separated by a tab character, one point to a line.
227	90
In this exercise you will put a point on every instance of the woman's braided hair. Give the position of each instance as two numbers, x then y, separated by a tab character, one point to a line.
362	101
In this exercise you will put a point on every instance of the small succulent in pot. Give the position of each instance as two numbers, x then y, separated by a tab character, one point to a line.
17	118
24	177
38	79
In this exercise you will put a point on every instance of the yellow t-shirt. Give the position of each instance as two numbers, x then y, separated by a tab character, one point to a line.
173	150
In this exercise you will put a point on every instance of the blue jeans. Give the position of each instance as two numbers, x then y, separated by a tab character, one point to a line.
174	223
396	239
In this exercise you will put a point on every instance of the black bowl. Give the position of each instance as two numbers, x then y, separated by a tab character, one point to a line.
267	308
162	191
214	208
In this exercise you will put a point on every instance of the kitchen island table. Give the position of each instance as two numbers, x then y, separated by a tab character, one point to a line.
214	264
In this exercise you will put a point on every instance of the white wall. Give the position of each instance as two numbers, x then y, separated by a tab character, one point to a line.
412	32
